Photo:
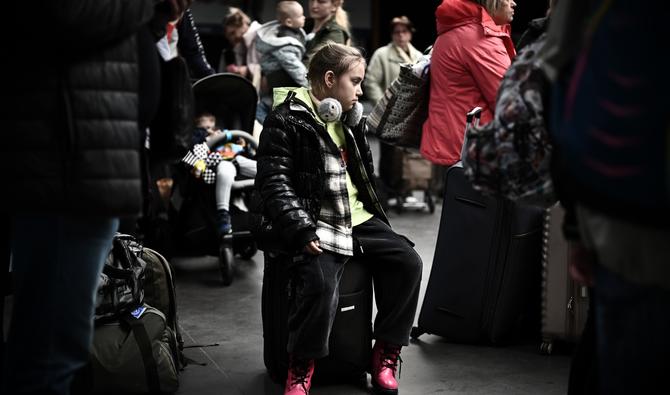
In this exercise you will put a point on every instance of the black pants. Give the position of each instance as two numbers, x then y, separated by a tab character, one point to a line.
396	272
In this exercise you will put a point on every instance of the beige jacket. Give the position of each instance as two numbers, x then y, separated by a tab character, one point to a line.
384	68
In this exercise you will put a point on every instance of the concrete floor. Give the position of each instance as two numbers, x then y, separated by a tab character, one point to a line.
230	318
222	330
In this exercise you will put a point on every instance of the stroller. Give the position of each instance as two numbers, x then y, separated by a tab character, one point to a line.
232	100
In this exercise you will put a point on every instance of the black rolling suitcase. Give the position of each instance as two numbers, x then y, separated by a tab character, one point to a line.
484	284
351	336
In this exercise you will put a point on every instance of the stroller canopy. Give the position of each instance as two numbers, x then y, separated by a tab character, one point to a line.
230	98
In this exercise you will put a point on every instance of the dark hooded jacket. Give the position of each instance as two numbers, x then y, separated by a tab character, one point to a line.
291	176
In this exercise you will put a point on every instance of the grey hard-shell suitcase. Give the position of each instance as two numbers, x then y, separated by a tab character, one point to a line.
565	303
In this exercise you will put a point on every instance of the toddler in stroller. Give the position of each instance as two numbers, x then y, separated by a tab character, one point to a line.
217	173
220	164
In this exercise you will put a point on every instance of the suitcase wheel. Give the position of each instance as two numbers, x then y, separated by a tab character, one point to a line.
546	347
416	332
248	251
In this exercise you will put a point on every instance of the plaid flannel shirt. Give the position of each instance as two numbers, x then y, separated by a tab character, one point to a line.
334	223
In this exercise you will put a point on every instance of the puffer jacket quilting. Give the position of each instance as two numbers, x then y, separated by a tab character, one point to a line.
72	142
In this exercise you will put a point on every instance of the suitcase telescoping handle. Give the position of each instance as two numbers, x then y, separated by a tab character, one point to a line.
476	114
471	121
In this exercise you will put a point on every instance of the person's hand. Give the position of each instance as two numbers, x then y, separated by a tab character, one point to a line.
232	68
580	263
313	248
212	134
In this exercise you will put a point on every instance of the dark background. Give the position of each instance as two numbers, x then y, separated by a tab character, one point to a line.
370	37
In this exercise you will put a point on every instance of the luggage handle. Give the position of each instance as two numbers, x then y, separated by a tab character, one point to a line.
121	250
476	114
471	121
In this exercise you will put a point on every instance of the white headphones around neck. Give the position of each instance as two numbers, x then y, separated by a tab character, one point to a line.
330	110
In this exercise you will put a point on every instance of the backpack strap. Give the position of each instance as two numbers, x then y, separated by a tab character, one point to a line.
144	344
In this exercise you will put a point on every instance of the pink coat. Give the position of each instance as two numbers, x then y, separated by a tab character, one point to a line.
470	56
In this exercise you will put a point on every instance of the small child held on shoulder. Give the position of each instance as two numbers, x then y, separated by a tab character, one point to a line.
281	44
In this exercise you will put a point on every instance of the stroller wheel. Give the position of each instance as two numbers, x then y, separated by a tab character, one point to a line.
248	251
226	259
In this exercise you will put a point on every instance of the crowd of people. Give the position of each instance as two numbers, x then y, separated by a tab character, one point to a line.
78	148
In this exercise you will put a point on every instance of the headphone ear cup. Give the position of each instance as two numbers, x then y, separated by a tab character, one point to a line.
354	115
329	109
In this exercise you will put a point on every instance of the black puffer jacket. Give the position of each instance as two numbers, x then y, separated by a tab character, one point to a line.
290	172
71	141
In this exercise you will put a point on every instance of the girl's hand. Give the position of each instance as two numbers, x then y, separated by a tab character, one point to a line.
313	248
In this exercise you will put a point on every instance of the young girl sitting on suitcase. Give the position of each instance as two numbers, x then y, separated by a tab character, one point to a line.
315	178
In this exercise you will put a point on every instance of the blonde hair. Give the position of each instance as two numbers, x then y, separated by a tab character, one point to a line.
341	16
490	5
236	18
334	57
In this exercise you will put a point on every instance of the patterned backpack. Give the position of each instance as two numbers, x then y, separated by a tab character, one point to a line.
511	155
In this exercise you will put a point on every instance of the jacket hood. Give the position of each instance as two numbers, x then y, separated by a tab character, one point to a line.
454	13
267	36
250	35
302	94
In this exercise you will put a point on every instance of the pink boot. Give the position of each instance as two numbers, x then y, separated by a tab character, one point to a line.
385	358
299	378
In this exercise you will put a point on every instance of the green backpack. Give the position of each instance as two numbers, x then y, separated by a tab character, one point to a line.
141	351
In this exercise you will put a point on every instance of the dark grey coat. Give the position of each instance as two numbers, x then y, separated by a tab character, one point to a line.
70	137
